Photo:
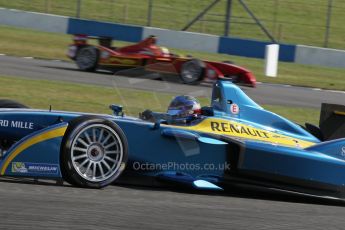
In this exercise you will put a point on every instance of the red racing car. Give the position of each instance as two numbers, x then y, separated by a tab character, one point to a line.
146	53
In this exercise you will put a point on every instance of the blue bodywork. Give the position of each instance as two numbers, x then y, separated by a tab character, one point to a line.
176	154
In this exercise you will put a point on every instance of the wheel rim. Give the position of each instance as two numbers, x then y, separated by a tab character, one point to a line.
190	73
97	153
86	59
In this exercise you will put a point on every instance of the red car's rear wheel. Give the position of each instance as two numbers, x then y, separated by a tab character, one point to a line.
87	58
192	71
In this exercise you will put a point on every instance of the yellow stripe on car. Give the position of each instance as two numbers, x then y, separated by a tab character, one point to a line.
237	129
49	134
339	113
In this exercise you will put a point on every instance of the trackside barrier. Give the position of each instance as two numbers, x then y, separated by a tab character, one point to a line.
176	39
38	21
117	31
252	48
309	55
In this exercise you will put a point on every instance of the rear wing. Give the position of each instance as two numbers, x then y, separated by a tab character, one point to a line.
332	121
81	39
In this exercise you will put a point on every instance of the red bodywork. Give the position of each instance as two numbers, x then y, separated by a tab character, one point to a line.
146	53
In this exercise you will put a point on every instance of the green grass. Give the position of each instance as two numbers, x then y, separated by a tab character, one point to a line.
290	21
296	114
96	99
25	42
81	98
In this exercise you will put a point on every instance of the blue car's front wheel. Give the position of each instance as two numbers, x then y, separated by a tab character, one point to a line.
94	152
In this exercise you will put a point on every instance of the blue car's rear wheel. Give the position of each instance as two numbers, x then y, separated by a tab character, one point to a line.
94	152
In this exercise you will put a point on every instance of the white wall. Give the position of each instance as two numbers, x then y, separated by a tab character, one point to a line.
310	55
184	40
44	22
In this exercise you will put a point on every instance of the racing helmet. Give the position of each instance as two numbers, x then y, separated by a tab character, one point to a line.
184	106
153	39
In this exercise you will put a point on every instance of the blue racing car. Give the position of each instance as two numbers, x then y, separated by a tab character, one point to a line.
233	142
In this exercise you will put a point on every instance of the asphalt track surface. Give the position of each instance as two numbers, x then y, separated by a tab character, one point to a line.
50	206
273	94
26	204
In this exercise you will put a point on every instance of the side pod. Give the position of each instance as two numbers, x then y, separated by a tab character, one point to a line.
334	148
36	155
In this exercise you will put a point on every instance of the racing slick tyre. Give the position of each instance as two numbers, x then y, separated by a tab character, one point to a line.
192	71
87	58
94	152
5	103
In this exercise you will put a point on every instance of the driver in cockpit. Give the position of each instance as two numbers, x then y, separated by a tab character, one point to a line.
183	109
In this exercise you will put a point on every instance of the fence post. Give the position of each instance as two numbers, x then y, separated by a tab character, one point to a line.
328	22
227	18
78	8
46	5
200	15
149	13
257	21
125	12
